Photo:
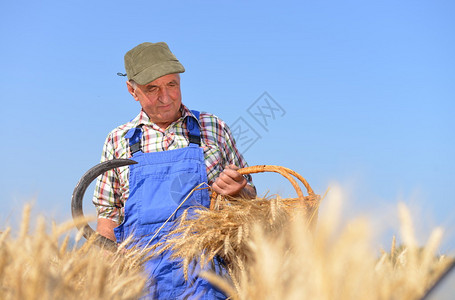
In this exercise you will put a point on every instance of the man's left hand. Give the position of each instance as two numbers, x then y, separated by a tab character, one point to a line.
229	182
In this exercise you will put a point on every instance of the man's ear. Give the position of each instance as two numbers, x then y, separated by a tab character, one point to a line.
131	90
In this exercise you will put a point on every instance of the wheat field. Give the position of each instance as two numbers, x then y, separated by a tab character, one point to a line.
335	262
40	264
270	256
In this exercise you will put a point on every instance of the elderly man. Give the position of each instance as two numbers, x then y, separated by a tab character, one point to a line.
176	150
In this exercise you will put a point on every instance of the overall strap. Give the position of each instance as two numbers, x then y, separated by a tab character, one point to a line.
134	135
193	128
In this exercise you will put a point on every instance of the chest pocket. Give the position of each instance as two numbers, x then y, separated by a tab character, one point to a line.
162	193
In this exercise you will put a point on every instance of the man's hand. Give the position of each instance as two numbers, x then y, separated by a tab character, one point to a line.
105	227
232	183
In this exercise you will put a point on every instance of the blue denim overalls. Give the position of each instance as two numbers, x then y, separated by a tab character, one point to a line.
158	184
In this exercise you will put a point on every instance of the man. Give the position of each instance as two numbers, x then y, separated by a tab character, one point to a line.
176	150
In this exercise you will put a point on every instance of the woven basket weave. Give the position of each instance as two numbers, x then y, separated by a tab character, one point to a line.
308	204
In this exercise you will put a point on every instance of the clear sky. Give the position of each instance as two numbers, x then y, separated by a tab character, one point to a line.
357	92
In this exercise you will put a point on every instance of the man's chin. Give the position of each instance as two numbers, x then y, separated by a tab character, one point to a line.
169	117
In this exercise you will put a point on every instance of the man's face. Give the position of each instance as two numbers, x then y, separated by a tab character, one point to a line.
160	99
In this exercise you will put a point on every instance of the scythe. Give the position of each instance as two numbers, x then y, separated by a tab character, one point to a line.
78	196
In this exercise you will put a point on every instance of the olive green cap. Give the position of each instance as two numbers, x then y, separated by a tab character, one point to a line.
149	61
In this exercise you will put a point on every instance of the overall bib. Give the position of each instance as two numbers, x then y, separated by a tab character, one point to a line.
158	184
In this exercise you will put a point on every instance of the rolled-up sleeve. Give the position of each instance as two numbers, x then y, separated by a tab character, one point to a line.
107	196
232	154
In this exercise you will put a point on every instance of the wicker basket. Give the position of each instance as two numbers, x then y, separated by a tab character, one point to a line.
308	204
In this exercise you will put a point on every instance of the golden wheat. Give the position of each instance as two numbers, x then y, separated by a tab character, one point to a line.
269	251
271	254
205	234
38	265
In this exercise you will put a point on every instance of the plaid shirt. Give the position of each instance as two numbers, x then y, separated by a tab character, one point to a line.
112	188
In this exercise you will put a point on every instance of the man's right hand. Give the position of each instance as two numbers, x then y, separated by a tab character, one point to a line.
105	227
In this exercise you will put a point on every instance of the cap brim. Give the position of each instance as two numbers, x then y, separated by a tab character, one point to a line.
156	71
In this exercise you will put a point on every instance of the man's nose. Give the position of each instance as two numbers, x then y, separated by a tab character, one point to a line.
164	96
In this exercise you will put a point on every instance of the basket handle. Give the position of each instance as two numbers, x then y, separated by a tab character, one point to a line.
283	171
286	172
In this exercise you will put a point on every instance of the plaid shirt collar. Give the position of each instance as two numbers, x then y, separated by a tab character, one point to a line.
143	119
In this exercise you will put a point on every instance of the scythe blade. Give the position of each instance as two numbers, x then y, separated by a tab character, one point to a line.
78	196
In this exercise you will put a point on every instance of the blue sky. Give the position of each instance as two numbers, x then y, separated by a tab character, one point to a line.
366	91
